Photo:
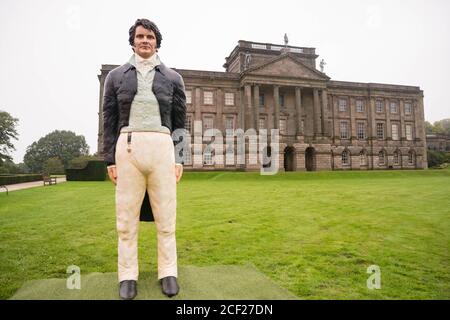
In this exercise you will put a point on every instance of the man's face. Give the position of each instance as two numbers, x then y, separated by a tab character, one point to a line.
144	42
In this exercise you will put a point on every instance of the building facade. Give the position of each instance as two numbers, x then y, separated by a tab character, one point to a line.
323	124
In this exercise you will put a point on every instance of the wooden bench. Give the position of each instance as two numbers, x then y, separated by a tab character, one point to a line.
49	180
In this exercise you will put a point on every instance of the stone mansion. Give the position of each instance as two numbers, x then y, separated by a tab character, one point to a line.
324	124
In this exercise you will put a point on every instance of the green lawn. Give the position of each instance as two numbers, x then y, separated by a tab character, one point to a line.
313	234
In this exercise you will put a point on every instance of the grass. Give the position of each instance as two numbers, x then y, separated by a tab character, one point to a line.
314	234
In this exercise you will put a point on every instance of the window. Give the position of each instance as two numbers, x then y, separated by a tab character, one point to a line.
344	130
262	123
229	99
408	108
229	154
342	105
359	106
207	157
362	158
379	106
361	131
345	158
394	131
396	157
282	126
187	156
188	96
380	131
381	158
408	132
188	123
229	123
393	107
411	157
281	99
208	122
261	100
207	97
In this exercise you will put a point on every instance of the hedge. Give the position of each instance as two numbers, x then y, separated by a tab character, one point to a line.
6	179
95	170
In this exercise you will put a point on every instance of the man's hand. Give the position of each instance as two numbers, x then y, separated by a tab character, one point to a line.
112	173
178	171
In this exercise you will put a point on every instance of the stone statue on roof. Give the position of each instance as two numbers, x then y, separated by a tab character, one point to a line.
322	65
247	60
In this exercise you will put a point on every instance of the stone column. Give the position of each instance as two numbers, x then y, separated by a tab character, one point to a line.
388	120
298	112
422	133
371	132
417	111
219	107
241	114
402	123
196	101
256	106
324	112
248	107
352	108
422	122
317	120
276	98
334	129
197	143
270	114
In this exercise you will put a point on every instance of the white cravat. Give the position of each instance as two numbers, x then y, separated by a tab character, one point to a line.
145	65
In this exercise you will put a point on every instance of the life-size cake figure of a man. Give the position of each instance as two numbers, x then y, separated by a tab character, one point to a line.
144	103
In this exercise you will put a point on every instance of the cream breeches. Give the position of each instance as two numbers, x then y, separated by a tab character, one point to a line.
147	162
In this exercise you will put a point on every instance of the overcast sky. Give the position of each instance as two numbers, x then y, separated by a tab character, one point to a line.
51	51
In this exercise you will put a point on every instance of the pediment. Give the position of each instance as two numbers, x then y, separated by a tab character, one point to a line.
287	66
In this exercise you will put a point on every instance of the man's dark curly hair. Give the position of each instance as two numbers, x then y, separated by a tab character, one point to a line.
147	24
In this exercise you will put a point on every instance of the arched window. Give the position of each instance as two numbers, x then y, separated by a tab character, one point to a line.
345	157
396	157
411	157
208	156
362	158
187	156
381	158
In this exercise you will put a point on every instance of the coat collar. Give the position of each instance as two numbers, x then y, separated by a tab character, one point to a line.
161	68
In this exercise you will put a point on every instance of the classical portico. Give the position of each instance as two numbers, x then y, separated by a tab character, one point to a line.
286	94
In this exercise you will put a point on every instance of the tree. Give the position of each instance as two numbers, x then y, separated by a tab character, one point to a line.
429	129
9	167
65	145
23	168
443	126
7	133
438	127
436	158
53	166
